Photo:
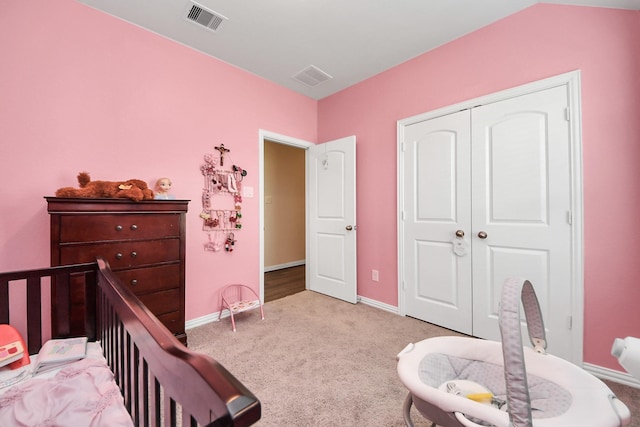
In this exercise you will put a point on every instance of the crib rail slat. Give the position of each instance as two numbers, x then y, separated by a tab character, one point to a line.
155	402
90	291
135	404
34	314
62	304
4	301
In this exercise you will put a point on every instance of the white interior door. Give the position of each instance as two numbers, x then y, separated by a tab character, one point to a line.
522	209
437	181
501	174
332	215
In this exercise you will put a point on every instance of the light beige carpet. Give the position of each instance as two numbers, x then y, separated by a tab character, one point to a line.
318	361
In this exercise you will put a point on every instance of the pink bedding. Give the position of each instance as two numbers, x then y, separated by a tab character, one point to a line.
83	393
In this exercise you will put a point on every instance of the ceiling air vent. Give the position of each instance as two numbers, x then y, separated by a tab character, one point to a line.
312	76
204	17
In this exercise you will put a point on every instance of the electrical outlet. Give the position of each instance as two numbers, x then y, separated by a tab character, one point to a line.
374	275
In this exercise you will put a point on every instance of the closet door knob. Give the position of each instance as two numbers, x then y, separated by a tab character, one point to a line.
460	233
349	228
482	234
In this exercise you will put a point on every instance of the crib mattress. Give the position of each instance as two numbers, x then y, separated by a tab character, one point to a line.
82	393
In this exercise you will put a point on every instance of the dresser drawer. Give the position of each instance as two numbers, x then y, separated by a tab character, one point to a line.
162	302
173	322
151	279
92	228
123	254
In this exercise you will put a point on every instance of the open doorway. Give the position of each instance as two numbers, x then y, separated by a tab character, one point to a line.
274	140
284	220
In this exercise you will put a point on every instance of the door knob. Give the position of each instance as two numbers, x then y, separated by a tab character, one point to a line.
482	234
349	228
460	233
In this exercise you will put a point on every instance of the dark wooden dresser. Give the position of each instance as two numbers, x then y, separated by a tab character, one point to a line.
144	242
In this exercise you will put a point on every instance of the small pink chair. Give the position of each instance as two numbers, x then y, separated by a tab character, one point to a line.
237	299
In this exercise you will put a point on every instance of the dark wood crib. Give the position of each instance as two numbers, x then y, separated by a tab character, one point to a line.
162	382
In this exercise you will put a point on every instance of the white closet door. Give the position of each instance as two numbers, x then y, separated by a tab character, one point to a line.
521	199
437	204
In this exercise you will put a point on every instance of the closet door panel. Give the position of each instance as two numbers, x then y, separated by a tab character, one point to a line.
517	184
521	201
503	262
437	262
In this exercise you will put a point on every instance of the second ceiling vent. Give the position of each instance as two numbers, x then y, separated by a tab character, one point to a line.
312	76
207	18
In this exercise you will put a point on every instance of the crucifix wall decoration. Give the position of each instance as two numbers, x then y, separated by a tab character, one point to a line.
222	151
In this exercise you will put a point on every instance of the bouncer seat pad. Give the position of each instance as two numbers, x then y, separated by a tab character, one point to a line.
548	399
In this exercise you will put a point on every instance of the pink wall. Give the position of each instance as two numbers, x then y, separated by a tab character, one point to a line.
531	45
81	90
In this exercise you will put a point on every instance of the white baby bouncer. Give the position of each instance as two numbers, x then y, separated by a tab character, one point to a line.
470	382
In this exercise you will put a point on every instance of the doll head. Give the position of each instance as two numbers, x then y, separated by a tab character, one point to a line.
163	186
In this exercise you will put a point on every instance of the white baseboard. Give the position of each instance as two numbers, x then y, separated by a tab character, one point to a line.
201	321
285	265
207	318
611	375
213	317
378	304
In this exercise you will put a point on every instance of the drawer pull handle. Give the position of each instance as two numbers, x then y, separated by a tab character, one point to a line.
118	228
134	227
134	282
118	255
134	254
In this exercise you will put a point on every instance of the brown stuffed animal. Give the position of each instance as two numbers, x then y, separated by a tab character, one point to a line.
133	189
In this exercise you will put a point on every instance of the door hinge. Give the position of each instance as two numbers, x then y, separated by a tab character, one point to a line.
569	218
570	322
567	114
402	146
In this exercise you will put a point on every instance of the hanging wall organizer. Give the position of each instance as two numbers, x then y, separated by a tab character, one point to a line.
221	201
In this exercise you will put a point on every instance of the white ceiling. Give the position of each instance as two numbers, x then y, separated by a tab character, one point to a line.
351	40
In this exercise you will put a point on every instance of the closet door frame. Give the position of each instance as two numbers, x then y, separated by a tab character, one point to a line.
571	81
